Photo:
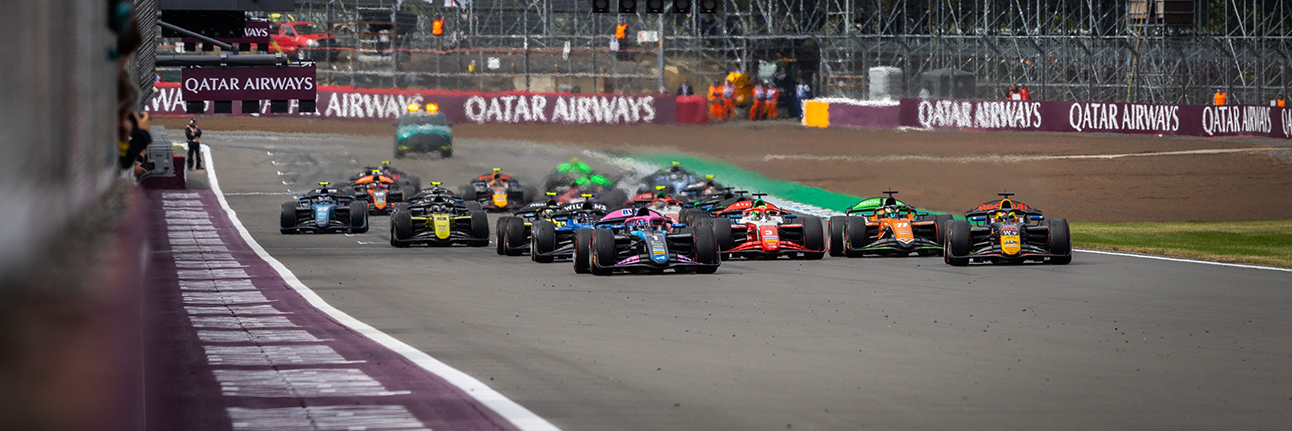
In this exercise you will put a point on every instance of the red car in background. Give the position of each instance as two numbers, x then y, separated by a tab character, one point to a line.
304	40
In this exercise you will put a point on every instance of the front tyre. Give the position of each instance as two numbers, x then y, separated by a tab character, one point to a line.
959	240
287	220
500	235
358	217
582	250
813	238
401	228
836	235
1060	241
855	236
543	242
706	250
603	251
479	228
514	235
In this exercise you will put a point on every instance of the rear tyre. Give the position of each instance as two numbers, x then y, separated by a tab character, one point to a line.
855	236
603	251
401	228
514	235
358	217
446	153
500	237
958	243
479	228
1060	241
706	251
399	154
836	235
474	206
721	232
582	250
287	220
543	241
813	237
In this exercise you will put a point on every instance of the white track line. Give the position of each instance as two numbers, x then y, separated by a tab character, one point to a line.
1009	158
1177	259
511	411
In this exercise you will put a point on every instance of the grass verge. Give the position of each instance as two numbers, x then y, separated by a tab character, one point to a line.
1256	242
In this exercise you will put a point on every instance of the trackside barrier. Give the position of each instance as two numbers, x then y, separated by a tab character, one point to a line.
349	103
1050	116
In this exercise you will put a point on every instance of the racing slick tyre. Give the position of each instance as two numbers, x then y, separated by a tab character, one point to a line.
445	154
514	236
721	232
543	241
288	218
940	228
358	217
468	193
813	237
959	240
706	250
399	154
479	228
855	234
401	228
582	250
399	206
603	251
1060	241
836	235
499	231
474	206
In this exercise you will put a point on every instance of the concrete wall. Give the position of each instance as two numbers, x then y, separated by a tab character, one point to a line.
56	118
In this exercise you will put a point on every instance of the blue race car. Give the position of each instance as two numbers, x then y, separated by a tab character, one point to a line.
324	210
546	229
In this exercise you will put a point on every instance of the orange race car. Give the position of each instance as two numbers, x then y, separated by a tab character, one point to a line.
378	190
888	227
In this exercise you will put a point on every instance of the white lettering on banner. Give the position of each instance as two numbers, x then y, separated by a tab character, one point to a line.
1236	119
983	114
197	85
255	32
1287	122
565	110
1115	116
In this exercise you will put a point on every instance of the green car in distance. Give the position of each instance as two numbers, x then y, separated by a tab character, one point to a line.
423	130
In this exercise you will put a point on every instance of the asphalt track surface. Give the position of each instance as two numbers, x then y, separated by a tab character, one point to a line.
1108	342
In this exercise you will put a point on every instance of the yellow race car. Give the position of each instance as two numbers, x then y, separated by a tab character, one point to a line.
438	219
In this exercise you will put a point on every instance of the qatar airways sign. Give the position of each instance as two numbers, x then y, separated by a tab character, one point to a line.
248	83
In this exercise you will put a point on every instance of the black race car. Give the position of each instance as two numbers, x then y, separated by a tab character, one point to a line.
1005	231
497	191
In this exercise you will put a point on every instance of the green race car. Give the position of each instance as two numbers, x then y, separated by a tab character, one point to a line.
423	130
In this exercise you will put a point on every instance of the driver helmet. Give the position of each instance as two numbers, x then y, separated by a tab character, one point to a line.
757	214
639	225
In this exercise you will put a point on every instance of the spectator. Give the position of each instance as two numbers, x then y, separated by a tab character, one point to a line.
685	89
1023	94
1281	101
729	99
715	101
1219	98
1012	93
193	135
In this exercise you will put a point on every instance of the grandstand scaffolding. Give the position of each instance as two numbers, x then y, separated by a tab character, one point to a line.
1147	51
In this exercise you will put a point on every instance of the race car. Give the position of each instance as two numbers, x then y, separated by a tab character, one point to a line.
497	191
547	233
660	201
642	240
406	180
712	202
437	189
678	183
1005	231
888	227
440	220
758	229
572	180
379	191
423	129
324	210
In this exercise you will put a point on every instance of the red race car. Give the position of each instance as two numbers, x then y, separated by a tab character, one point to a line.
758	229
